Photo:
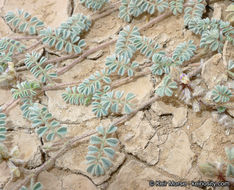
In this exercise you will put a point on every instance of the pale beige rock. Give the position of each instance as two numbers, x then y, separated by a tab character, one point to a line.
179	116
135	136
46	10
5	96
77	182
160	108
4	174
141	88
27	144
150	154
135	175
50	181
96	55
203	133
66	112
217	11
214	72
4	29
15	119
11	185
74	160
176	155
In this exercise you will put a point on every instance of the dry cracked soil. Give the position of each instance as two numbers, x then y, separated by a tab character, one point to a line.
165	141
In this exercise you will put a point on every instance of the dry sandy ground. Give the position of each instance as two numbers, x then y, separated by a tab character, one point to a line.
166	141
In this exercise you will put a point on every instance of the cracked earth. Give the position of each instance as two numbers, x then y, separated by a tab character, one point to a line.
166	141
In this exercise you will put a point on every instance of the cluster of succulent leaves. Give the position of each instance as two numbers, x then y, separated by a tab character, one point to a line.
2	126
134	8
165	89
213	32
45	124
23	22
213	170
64	38
34	63
40	118
100	152
67	36
221	94
8	47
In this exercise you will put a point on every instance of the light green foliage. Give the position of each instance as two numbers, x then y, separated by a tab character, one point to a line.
195	9
36	186
45	123
125	44
161	64
73	96
146	46
94	82
11	46
134	8
4	59
7	48
62	40
214	32
100	152
221	93
94	4
114	63
230	167
214	170
208	169
124	12
25	89
66	36
27	102
114	101
221	109
2	126
213	40
183	52
37	68
23	22
151	5
231	68
165	89
76	24
177	6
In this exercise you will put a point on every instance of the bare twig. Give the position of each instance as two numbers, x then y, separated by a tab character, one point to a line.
129	79
84	55
6	107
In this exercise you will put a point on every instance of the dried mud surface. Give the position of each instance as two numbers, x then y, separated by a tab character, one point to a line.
166	141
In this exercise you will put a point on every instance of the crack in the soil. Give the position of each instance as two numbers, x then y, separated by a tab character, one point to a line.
74	172
159	170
